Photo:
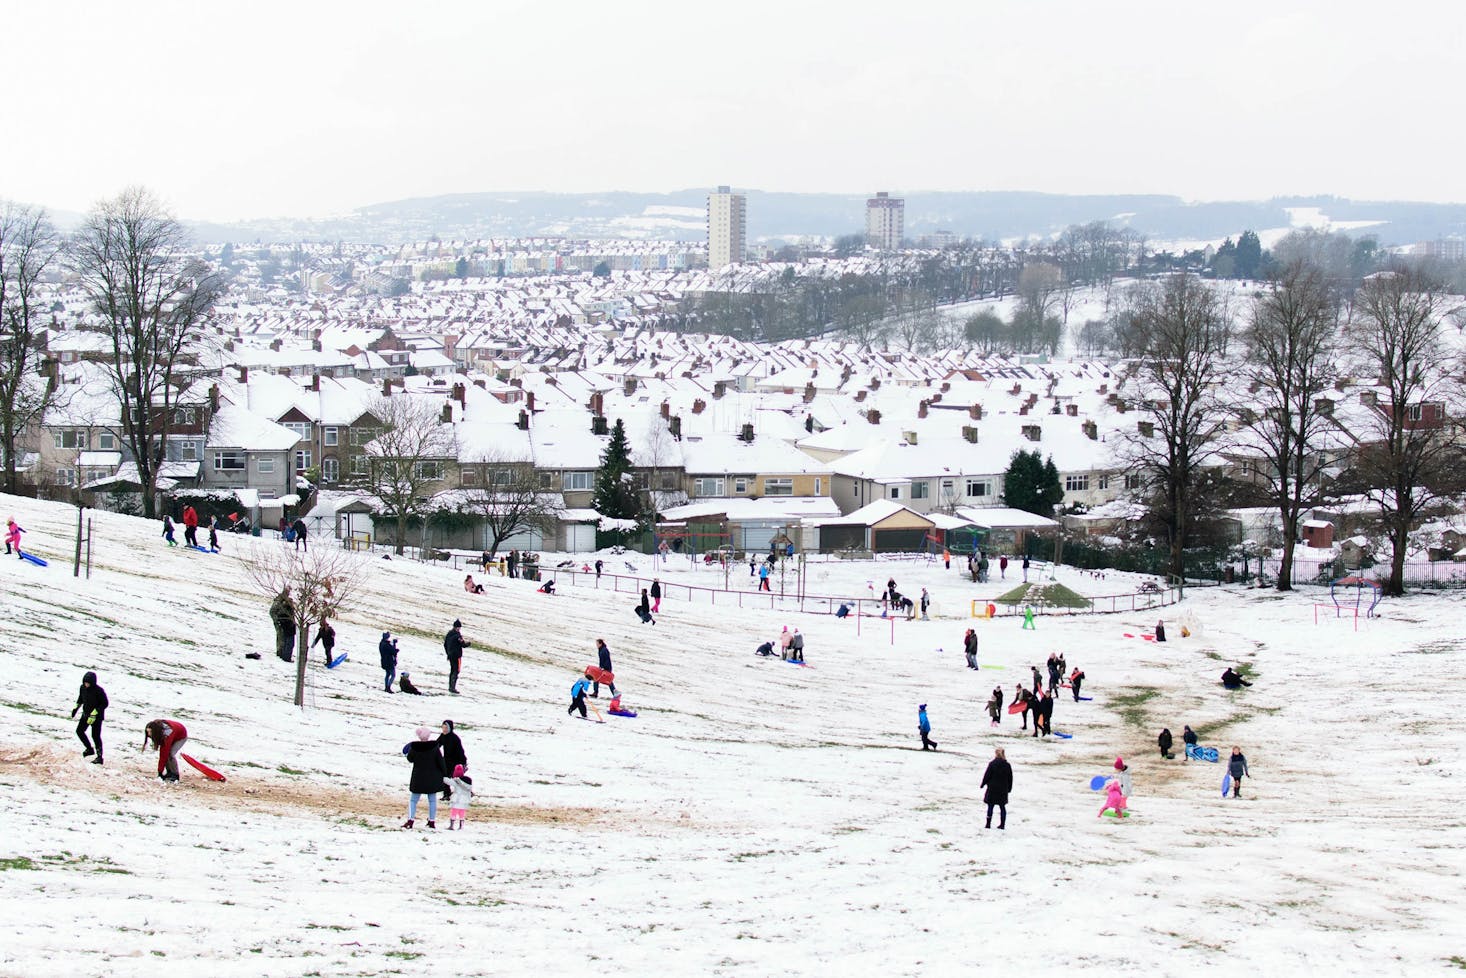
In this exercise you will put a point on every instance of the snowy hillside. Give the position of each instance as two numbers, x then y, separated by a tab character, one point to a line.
757	818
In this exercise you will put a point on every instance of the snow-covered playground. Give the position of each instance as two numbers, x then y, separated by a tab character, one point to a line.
755	818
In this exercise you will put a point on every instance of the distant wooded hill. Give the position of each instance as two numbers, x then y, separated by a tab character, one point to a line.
990	215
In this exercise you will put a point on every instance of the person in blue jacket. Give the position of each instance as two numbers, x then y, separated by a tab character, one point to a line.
577	697
925	726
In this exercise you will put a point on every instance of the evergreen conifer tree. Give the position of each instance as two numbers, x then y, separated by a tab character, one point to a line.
616	494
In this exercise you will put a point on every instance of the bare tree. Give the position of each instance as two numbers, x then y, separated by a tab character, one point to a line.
408	456
1407	455
320	582
1289	361
28	245
1181	325
511	499
130	256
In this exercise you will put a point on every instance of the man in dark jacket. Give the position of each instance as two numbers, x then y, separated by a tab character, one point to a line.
969	648
299	527
1164	740
998	780
1076	679
91	700
387	647
1232	679
453	753
282	613
453	646
603	659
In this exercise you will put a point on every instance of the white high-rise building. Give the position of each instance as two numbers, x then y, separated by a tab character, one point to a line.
885	221
727	228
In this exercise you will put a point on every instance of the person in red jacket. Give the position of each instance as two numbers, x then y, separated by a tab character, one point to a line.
168	736
190	526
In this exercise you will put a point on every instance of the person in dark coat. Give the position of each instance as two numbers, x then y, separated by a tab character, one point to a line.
1188	737
282	613
1021	696
427	776
1076	678
453	646
453	753
167	532
1232	679
644	610
603	659
600	565
1160	631
1025	568
299	527
1054	672
995	705
1043	713
387	647
91	700
998	780
656	595
326	638
214	534
1237	768
1164	740
969	648
404	683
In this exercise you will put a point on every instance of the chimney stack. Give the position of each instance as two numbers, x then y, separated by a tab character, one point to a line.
523	423
1091	430
747	433
529	401
316	383
597	404
460	394
969	433
873	416
1147	428
244	375
1033	432
213	399
921	410
630	386
1072	410
447	412
666	410
809	393
386	386
698	406
975	412
719	389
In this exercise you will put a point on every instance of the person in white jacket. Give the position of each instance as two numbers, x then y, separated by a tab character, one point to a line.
462	786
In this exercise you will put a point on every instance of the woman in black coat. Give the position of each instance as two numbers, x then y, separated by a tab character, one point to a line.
453	753
998	780
427	775
1164	740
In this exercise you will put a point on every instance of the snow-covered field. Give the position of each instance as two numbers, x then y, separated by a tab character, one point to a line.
755	819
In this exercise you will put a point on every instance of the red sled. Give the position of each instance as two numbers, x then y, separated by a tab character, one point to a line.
203	769
598	675
1016	707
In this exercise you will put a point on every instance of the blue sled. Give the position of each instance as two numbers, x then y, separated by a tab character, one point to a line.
337	661
35	560
622	713
204	550
1086	699
1063	736
1097	782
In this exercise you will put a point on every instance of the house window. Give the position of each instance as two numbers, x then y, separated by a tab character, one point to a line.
1413	412
1104	482
576	481
188	451
708	486
228	461
330	470
302	460
949	488
183	415
468	475
547	480
431	469
1132	480
106	441
503	477
360	436
978	487
740	486
70	439
778	487
65	477
264	466
818	487
330	437
302	429
921	490
1076	483
361	464
894	493
669	480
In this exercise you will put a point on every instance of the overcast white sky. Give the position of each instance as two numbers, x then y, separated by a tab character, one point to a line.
311	108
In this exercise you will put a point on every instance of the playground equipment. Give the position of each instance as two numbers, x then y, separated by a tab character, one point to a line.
983	609
1339	589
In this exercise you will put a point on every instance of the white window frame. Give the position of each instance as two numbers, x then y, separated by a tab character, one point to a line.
230	455
265	465
77	436
1076	483
893	492
361	464
779	487
709	485
106	441
430	469
65	476
577	481
330	470
331	436
979	488
740	486
302	459
183	415
188	450
921	489
302	429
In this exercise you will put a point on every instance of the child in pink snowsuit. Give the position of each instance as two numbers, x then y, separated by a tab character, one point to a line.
12	536
1113	800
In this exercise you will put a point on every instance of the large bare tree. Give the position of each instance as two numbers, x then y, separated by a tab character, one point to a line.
131	256
1183	327
28	246
509	498
1289	361
408	456
1408	453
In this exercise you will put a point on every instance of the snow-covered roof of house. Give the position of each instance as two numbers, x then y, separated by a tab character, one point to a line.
873	513
1004	517
234	427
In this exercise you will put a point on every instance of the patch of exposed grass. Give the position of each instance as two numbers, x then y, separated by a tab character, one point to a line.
25	708
1131	704
17	862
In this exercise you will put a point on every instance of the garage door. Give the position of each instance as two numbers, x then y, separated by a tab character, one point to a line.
529	540
580	537
758	536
